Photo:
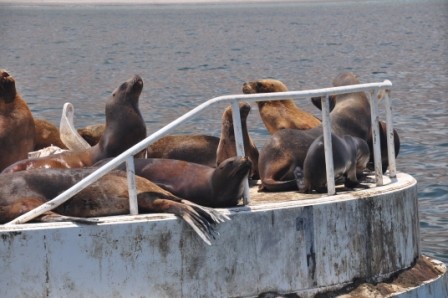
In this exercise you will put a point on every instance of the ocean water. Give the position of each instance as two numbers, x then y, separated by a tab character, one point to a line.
187	54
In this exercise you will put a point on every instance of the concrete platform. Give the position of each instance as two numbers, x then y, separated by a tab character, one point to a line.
280	243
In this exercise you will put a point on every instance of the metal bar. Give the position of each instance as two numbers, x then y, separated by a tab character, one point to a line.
390	137
64	196
236	118
376	136
328	146
132	187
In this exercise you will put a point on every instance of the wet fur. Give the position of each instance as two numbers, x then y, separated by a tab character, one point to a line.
350	158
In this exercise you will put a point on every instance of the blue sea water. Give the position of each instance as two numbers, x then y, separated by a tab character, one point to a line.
187	54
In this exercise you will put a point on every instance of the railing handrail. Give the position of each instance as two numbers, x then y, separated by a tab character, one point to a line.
127	156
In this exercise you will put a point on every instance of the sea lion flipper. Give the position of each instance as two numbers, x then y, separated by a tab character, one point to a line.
69	135
55	217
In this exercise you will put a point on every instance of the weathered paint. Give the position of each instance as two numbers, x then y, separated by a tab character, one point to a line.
299	243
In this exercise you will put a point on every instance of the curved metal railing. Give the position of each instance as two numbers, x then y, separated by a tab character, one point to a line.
372	90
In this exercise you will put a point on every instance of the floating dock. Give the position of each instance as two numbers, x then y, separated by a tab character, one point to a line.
362	243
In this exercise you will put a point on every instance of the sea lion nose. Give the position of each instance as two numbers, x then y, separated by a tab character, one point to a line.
5	74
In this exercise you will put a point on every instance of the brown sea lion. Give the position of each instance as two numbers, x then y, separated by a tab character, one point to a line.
46	135
208	150
227	143
212	187
23	191
16	123
350	158
279	114
286	149
124	128
92	133
199	149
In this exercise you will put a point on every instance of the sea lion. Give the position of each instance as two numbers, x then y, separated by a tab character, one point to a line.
199	149
92	133
212	187
23	191
227	143
383	146
286	149
124	128
350	158
16	123
46	135
208	150
279	114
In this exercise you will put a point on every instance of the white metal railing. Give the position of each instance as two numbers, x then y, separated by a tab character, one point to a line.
128	155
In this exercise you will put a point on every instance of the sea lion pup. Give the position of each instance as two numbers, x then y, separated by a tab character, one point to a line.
350	158
16	123
46	135
286	149
279	114
383	146
212	187
227	143
124	128
23	191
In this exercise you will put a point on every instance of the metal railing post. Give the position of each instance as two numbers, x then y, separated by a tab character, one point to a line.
132	187
376	136
239	142
390	137
328	147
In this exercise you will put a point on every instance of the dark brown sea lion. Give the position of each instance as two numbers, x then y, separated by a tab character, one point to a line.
23	191
46	135
208	150
124	128
286	149
350	158
199	149
212	187
227	143
16	123
279	114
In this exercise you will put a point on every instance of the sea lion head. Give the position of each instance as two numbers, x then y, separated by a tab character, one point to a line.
129	91
228	179
345	78
264	86
244	112
7	87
